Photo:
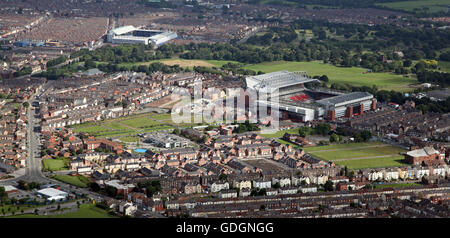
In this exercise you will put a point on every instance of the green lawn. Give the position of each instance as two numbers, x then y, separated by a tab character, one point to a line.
429	6
56	164
85	211
140	122
353	75
79	181
394	161
280	133
358	155
397	185
15	208
129	126
220	63
129	139
341	146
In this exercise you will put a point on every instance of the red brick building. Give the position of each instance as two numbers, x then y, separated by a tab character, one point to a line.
426	155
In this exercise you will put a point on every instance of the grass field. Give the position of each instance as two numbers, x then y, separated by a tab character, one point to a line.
353	75
85	211
129	139
15	208
56	164
126	126
280	133
185	63
79	181
360	155
129	126
385	162
397	185
418	6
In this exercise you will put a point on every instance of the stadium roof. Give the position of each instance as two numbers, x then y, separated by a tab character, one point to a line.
345	98
272	81
122	30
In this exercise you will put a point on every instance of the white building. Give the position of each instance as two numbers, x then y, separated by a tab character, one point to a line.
228	193
297	181
288	190
309	189
52	194
219	186
127	208
284	182
262	184
133	35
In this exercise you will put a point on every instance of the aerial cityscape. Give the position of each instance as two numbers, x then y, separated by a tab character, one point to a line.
224	109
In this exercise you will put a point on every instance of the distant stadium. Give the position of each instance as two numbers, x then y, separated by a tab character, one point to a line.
294	100
133	35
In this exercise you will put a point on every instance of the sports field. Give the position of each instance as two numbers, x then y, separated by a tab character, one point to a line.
360	155
429	6
355	75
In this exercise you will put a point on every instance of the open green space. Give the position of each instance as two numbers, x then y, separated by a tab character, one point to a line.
127	127
429	6
394	161
56	164
85	211
79	180
360	155
341	146
129	139
352	75
8	208
280	133
397	185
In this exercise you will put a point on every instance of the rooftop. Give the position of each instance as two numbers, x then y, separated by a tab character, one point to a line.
272	81
426	151
345	98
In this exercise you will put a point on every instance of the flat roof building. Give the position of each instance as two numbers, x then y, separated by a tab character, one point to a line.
133	35
52	194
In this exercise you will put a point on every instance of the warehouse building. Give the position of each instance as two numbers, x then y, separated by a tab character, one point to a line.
133	35
52	194
291	94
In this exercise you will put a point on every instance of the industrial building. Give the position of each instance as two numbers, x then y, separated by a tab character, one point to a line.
52	194
133	35
296	101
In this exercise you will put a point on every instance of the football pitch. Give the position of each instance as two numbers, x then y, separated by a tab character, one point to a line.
360	155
